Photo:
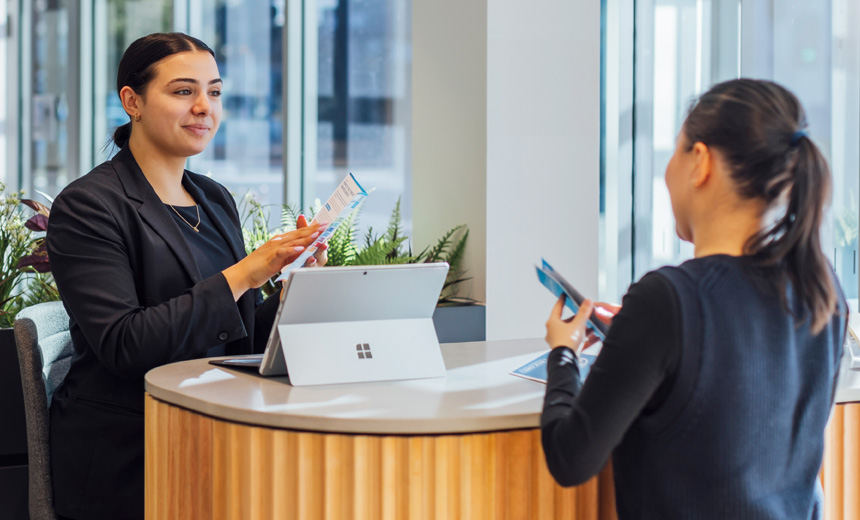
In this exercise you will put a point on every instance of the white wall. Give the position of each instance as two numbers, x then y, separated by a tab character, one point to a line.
449	126
506	139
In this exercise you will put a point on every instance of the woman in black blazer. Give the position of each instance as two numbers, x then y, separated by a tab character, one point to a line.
151	266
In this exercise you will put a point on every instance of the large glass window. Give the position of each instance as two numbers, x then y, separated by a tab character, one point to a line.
117	23
357	105
681	48
649	76
313	89
5	145
50	80
821	64
246	153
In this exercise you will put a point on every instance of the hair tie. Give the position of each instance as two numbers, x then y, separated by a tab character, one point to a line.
797	137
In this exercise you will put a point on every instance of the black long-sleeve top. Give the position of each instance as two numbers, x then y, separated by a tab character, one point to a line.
633	374
711	394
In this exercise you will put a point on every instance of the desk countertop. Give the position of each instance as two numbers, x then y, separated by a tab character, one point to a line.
478	394
848	387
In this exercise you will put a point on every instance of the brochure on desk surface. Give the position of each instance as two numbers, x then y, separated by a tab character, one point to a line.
346	197
536	368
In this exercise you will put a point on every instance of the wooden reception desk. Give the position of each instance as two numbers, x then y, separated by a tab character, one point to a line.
224	443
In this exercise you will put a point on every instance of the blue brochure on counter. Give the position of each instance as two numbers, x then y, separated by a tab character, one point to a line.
536	368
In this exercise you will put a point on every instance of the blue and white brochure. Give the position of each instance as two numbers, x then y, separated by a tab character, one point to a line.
536	368
348	195
557	285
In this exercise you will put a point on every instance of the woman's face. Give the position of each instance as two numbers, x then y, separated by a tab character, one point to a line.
181	108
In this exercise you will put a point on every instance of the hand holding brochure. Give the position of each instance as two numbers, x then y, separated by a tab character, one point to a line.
345	198
557	285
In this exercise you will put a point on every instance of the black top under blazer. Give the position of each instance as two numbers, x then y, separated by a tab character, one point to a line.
137	301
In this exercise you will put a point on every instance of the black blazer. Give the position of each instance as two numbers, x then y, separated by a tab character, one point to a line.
137	301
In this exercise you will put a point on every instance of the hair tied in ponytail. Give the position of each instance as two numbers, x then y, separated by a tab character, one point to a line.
800	134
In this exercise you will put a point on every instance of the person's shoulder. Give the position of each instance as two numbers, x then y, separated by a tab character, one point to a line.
704	271
652	291
100	182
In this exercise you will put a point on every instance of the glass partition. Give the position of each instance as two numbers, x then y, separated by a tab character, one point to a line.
821	65
5	119
49	97
357	103
246	153
117	24
682	47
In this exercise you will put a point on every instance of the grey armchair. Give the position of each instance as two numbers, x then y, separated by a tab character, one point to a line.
44	354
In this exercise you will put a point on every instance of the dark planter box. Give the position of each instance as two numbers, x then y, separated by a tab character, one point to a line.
13	493
459	323
13	432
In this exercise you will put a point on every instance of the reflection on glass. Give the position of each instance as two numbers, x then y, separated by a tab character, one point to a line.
118	24
246	153
685	47
49	97
677	60
845	131
821	65
361	97
4	122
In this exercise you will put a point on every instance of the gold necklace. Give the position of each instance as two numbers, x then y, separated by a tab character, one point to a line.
197	206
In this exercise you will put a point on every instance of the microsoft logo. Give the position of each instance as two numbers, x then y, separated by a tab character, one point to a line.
363	351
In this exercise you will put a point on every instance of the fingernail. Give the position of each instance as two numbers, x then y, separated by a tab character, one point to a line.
300	248
316	234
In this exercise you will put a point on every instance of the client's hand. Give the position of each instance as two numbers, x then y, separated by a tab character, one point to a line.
320	257
606	311
267	260
568	332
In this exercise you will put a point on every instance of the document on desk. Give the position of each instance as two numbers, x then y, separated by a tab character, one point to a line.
536	368
336	209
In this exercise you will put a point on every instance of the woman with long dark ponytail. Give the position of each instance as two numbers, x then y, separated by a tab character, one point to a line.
716	379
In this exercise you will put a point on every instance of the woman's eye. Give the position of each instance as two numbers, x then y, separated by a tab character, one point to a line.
184	92
215	93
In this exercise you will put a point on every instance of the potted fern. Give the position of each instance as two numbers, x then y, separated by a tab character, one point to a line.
457	317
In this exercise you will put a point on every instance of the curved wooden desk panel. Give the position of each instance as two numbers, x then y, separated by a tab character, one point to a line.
840	472
205	460
234	470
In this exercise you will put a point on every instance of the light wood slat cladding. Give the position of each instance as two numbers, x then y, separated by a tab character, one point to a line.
840	469
202	467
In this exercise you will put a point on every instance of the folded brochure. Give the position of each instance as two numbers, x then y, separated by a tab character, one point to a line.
536	368
336	209
558	285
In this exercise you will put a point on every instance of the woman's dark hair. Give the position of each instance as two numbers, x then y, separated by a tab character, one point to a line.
137	66
758	128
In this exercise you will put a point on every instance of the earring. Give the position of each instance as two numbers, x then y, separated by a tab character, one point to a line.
137	118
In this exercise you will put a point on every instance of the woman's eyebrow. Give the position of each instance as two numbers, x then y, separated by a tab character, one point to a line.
192	80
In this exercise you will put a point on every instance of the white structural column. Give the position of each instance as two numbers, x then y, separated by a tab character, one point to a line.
506	139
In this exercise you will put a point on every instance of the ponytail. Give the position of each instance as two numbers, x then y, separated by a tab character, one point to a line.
795	239
758	127
122	134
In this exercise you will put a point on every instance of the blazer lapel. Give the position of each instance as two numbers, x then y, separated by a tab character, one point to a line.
152	210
